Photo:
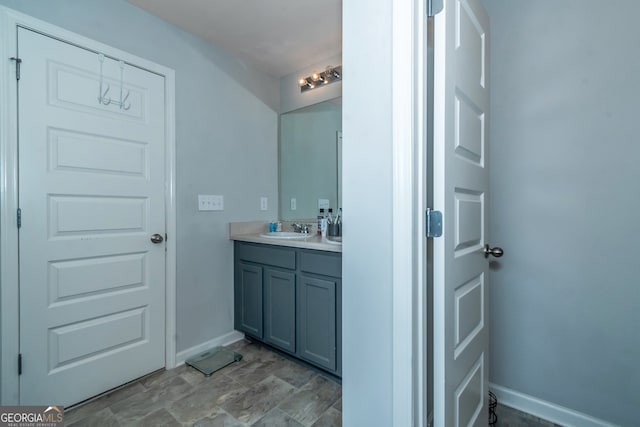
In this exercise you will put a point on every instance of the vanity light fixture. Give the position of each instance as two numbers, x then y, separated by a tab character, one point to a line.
306	84
329	75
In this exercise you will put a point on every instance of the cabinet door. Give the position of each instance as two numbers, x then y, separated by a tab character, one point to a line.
248	299
280	311
316	320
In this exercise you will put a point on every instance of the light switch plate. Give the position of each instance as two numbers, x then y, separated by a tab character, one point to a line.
210	202
294	204
323	204
264	203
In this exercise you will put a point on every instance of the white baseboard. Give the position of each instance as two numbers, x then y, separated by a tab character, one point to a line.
545	410
223	340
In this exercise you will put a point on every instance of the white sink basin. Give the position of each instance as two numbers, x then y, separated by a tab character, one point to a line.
287	235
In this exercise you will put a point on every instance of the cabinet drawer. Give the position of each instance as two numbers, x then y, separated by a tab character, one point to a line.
268	255
321	263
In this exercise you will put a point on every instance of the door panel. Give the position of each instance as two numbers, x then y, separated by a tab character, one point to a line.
91	177
280	308
74	87
73	215
316	320
73	343
248	299
67	279
461	108
468	313
86	153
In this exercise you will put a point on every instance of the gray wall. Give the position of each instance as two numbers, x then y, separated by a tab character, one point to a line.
226	132
367	335
565	300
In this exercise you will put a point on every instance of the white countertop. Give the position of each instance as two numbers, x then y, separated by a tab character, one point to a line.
251	232
312	242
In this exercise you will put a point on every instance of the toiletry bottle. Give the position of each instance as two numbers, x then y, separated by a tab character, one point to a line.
320	218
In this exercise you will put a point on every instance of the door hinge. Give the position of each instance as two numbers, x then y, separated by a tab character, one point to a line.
434	7
19	218
433	223
20	364
18	61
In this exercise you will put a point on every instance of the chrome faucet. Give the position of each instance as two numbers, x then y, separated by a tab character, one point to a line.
301	228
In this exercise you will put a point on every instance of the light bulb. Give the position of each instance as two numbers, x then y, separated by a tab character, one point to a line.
302	82
331	71
315	77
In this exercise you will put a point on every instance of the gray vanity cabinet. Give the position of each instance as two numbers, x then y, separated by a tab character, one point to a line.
291	298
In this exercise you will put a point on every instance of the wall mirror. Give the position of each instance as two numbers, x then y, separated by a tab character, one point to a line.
310	159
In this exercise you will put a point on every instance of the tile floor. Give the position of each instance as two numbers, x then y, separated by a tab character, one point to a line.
263	389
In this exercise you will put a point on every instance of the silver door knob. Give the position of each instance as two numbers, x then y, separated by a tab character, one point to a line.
157	238
496	252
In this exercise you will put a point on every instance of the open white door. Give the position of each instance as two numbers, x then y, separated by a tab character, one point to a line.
461	106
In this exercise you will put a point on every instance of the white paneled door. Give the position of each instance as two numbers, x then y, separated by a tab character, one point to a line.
91	193
461	108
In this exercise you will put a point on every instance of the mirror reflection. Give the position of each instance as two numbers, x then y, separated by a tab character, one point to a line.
310	160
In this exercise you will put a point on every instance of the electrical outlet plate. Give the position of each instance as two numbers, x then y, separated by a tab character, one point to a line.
294	204
210	202
323	204
264	203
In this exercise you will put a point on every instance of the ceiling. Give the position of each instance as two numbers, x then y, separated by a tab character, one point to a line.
277	37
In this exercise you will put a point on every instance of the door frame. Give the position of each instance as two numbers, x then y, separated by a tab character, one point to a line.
409	132
10	20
